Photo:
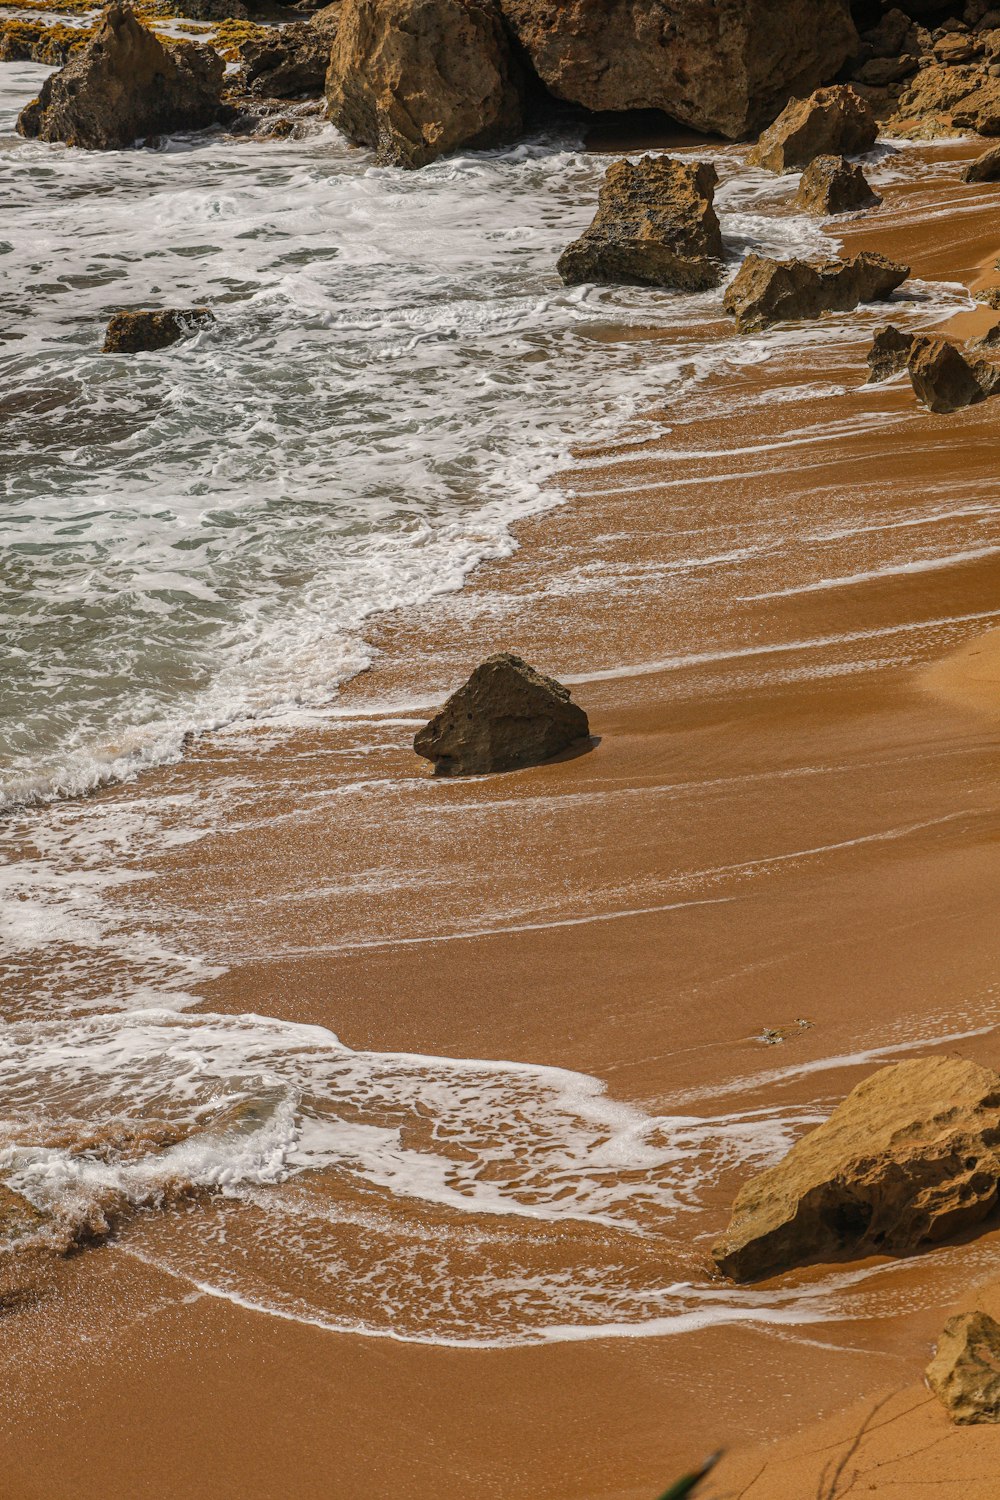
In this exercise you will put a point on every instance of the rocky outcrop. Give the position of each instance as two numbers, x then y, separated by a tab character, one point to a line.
911	1157
655	226
727	67
135	332
767	291
38	41
834	185
946	378
985	168
417	79
507	715
834	121
287	62
965	1371
126	86
889	353
943	99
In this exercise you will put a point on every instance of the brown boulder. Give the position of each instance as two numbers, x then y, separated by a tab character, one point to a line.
727	67
766	291
834	185
985	168
419	78
910	1157
124	86
965	1371
833	121
135	332
288	62
942	99
655	226
507	715
889	353
945	378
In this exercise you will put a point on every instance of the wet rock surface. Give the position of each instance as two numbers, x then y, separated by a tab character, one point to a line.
832	121
136	332
889	353
767	291
834	185
506	716
655	225
946	378
289	63
985	168
965	1371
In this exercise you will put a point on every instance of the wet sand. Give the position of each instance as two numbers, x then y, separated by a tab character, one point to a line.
790	813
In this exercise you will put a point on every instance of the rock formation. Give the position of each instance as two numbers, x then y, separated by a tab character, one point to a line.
419	78
507	715
289	62
965	1371
833	121
946	378
126	86
889	353
985	168
911	1157
655	226
834	185
767	291
135	332
942	99
727	67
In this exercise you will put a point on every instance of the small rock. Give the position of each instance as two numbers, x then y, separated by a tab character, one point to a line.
655	226
990	296
879	72
834	185
767	291
985	168
944	379
889	353
965	1371
507	715
288	63
833	120
135	332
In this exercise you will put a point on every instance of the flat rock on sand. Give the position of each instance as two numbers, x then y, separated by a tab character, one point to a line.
965	1371
767	291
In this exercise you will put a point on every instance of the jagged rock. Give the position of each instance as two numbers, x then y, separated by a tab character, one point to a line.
834	185
727	67
985	168
945	379
327	18
896	35
124	86
655	226
419	78
943	99
134	332
766	291
507	715
289	62
965	1371
833	121
911	1157
38	41
889	353
989	296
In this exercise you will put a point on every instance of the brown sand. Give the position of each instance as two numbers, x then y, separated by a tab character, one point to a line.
787	815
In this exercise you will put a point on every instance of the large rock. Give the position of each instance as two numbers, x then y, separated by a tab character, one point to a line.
287	62
834	185
985	168
655	226
946	378
911	1157
767	291
834	121
136	332
419	78
507	715
727	67
126	85
889	353
965	1371
943	99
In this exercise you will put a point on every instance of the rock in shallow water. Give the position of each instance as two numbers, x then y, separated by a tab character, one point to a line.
767	291
832	121
889	353
911	1157
834	185
985	168
135	332
506	716
655	226
965	1371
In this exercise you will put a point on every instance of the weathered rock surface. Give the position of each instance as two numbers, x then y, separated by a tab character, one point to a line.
126	85
889	353
942	99
985	168
834	185
288	63
834	121
507	715
946	378
767	291
911	1157
655	226
135	332
965	1371
417	79
727	67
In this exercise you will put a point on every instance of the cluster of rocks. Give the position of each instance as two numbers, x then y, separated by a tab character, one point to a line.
946	375
927	81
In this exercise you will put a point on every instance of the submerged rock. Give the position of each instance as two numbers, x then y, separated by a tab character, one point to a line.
507	715
889	353
417	79
985	168
727	67
945	378
655	226
124	86
289	62
911	1157
834	185
832	121
965	1371
135	332
767	291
